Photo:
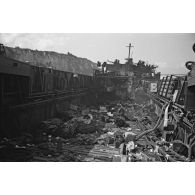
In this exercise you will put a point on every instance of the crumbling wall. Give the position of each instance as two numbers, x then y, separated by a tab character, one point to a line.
64	62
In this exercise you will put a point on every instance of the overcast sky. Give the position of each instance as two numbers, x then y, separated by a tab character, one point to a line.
168	51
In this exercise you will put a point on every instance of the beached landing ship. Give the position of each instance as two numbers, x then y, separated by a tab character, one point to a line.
34	85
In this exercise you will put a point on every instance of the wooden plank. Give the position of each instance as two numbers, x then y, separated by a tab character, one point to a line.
95	151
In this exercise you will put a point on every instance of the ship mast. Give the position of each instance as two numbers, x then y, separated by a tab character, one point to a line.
129	55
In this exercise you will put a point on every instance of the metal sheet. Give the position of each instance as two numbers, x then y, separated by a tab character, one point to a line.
9	66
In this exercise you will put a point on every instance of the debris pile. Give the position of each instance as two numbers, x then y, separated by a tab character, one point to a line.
120	131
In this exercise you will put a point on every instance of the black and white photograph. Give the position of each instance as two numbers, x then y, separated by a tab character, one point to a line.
97	97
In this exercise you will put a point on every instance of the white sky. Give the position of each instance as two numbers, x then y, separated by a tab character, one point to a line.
168	51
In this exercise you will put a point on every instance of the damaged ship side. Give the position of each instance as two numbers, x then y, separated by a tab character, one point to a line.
110	113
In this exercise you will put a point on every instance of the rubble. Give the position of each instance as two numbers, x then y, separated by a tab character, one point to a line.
117	132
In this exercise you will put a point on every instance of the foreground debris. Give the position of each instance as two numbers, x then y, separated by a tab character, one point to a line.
118	132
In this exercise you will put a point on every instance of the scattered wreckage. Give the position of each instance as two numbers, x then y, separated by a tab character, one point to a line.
118	132
160	128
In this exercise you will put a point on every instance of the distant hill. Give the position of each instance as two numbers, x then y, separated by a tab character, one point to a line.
59	61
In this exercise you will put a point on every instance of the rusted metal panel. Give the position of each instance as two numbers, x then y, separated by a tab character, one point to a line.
9	66
63	62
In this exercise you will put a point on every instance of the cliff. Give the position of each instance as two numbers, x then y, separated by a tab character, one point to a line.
59	61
